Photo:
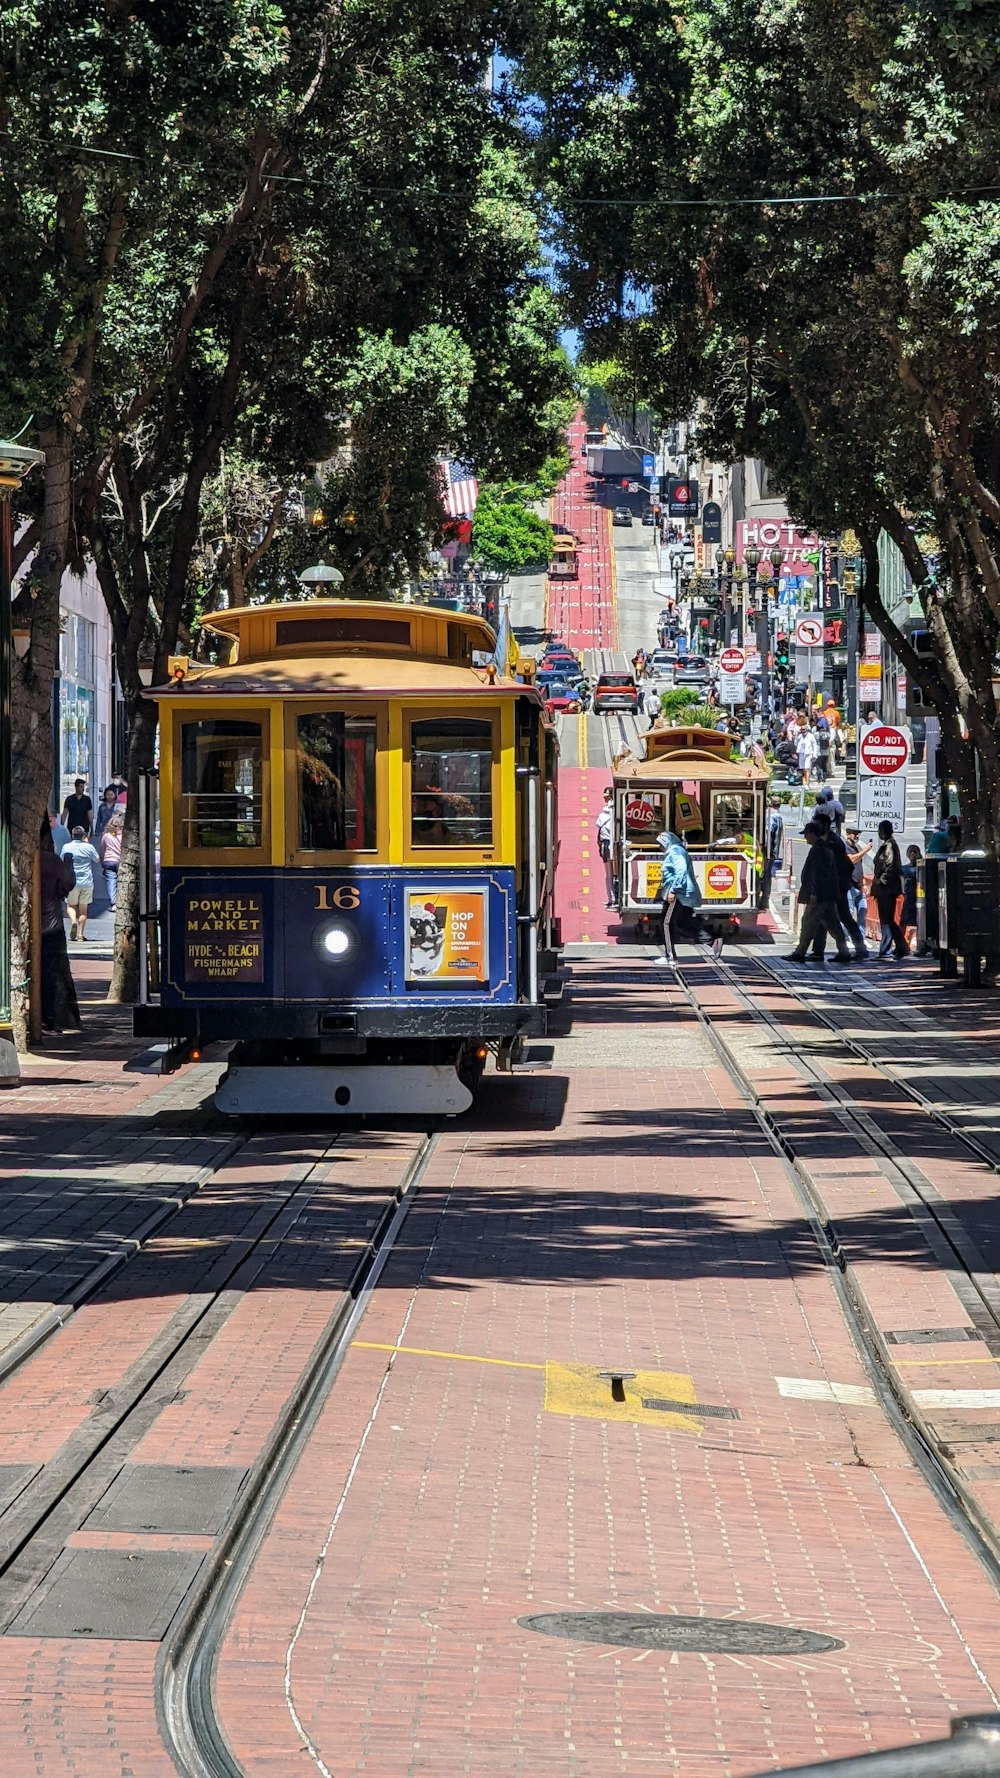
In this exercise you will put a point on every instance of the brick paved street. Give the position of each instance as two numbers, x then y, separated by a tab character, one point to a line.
473	1482
644	1225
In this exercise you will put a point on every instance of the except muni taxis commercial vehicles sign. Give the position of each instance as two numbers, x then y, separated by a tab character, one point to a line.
447	937
883	756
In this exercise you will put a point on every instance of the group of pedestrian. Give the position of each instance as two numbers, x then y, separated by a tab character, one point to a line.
808	743
832	890
90	846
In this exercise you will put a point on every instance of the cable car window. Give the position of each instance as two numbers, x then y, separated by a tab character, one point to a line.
222	764
336	770
732	814
452	764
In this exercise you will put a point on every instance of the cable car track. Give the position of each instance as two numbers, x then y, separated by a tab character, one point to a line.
185	1669
904	1416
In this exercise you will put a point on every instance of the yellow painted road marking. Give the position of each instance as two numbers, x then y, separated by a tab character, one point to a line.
581	739
514	1364
580	1390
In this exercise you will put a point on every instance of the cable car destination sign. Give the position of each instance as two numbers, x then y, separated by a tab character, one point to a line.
883	756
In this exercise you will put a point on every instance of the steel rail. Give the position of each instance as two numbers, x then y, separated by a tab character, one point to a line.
33	1338
30	1530
902	1414
856	1044
941	1230
186	1665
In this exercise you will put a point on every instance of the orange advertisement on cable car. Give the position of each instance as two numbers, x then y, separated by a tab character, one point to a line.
447	935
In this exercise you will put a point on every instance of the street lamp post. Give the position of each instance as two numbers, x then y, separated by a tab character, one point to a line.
724	618
15	462
732	622
751	557
777	560
676	560
320	578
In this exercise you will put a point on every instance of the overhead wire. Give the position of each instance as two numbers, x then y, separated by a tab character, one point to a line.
645	200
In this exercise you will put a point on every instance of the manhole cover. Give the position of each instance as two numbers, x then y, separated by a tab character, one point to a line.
696	1635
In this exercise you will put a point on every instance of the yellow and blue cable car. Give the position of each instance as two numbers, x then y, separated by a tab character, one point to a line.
358	840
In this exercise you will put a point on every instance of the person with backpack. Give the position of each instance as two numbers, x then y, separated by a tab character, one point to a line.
887	887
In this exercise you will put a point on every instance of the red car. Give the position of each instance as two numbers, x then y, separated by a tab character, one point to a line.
560	699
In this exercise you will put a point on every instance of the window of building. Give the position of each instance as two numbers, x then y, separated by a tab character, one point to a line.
222	767
336	773
452	766
77	756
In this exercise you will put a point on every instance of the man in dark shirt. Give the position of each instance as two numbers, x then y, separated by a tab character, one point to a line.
845	877
818	891
78	810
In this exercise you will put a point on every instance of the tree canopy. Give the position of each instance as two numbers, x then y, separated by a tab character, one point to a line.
255	224
814	252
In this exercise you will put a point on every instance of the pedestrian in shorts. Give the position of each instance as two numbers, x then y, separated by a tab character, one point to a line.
84	860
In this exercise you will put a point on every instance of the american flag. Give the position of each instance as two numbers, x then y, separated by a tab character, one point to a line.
460	489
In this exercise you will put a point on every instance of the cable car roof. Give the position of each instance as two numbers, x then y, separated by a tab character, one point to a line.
359	676
689	766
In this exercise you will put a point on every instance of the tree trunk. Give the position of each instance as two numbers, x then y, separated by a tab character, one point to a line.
31	757
142	716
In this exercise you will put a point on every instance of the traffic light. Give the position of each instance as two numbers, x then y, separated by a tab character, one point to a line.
781	652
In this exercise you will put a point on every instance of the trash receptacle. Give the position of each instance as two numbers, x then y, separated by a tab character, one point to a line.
969	911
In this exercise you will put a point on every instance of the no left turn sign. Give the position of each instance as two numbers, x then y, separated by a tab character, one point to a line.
809	632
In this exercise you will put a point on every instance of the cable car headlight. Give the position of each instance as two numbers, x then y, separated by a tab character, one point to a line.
334	941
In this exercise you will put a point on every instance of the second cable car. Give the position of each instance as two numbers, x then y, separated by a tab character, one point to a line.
689	785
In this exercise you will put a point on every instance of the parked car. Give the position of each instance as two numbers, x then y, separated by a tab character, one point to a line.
616	691
622	515
663	658
649	516
561	698
546	676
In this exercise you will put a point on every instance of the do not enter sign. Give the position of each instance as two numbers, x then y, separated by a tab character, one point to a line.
884	751
732	660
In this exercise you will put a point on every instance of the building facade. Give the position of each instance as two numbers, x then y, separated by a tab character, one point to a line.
82	696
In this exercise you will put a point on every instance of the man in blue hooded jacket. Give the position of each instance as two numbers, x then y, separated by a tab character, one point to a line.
677	887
